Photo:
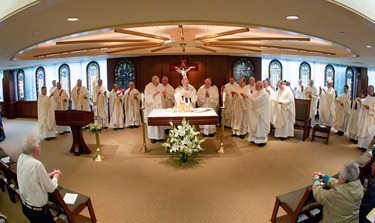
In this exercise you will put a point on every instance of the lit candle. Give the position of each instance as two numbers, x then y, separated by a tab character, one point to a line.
94	93
224	95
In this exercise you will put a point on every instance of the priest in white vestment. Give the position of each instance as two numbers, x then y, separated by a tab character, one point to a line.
299	90
52	89
259	118
239	109
61	98
272	98
208	97
228	88
366	119
154	100
311	92
116	111
353	121
81	97
46	115
285	112
342	111
168	93
327	105
251	85
185	93
102	103
132	100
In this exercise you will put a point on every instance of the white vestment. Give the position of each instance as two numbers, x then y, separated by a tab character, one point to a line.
251	88
259	117
208	102
115	110
52	89
342	112
353	120
191	96
366	119
239	111
168	100
299	92
46	116
327	107
61	98
151	102
272	98
229	102
285	113
313	92
132	100
81	98
102	105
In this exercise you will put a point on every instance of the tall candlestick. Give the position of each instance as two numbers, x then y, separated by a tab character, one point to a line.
224	95
94	93
143	100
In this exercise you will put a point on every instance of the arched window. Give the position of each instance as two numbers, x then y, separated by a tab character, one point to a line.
40	77
305	73
21	85
93	73
64	77
243	67
124	73
329	74
275	72
349	79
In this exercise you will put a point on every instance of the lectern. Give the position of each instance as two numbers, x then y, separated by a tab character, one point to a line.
76	120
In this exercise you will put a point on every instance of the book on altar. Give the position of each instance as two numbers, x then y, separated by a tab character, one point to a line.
371	215
6	159
70	198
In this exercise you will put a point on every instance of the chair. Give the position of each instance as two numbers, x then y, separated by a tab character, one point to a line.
303	120
11	183
295	203
57	203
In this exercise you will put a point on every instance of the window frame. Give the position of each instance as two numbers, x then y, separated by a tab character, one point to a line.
274	61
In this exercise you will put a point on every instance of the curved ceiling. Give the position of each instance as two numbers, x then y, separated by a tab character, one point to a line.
335	34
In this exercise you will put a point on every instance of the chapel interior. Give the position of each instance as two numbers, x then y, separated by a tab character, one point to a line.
135	40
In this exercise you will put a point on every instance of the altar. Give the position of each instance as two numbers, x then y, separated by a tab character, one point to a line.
199	116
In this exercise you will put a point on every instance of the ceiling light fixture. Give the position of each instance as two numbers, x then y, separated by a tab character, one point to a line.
292	17
342	33
72	19
368	46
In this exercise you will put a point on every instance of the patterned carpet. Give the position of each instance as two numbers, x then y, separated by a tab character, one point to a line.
237	186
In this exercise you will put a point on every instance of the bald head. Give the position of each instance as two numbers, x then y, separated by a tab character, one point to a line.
258	85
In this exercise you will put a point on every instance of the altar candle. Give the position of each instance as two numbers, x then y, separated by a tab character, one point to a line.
224	95
94	96
143	100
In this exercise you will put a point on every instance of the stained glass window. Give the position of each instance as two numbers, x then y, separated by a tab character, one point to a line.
21	85
124	73
329	74
93	73
40	77
349	77
275	72
64	77
305	73
243	68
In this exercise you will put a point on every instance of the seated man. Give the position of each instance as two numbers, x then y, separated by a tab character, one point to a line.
368	201
341	202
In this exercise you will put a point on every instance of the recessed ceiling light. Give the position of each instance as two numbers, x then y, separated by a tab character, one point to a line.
342	33
72	19
368	46
292	17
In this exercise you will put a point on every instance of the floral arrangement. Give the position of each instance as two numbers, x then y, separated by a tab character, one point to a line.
183	141
94	128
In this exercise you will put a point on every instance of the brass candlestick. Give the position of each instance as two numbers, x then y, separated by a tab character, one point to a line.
144	146
99	157
221	149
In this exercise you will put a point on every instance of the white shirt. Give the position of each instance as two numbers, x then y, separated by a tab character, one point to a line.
33	180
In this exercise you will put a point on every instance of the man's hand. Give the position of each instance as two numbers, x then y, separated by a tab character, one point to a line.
156	93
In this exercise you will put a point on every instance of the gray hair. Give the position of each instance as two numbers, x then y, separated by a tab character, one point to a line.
349	172
29	144
155	79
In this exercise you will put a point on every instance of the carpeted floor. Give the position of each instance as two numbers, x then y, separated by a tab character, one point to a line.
237	186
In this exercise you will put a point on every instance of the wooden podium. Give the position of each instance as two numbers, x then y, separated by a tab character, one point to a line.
76	120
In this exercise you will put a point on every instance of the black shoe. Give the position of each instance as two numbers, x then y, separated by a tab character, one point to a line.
337	133
61	133
48	139
105	127
233	135
135	126
242	136
211	135
131	126
252	142
115	129
261	144
341	133
355	141
282	138
351	140
153	141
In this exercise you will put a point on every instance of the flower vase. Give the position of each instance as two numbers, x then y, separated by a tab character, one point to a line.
183	158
